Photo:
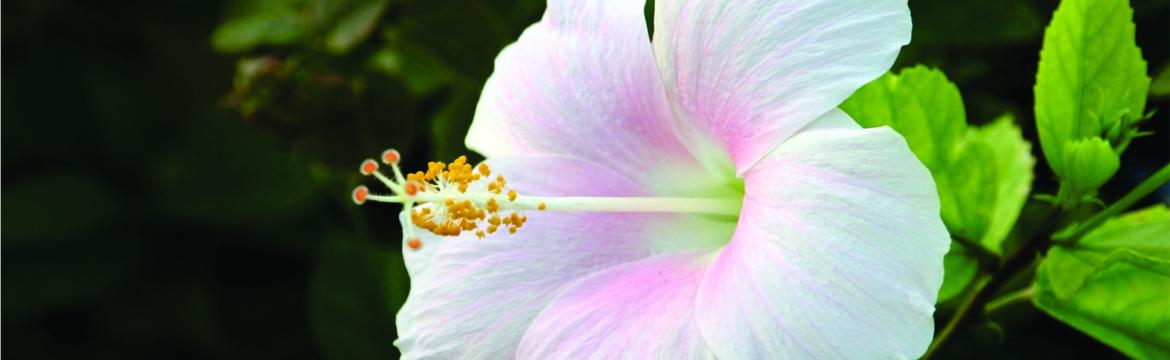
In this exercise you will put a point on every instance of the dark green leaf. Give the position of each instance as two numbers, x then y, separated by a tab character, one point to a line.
353	26
259	22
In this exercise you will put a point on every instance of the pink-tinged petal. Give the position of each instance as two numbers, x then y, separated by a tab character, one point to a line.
838	252
474	299
583	82
637	310
747	74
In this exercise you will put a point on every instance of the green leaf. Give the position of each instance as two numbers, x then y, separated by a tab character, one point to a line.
259	22
919	103
959	268
1112	284
355	25
1089	163
1091	75
983	175
1012	180
1161	84
421	70
967	189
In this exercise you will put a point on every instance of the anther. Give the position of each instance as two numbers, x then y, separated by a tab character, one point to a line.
369	167
454	205
541	206
359	194
390	157
414	244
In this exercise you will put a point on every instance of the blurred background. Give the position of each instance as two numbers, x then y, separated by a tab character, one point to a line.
176	174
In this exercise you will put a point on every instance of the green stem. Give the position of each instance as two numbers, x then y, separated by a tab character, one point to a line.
1145	188
1021	295
988	285
986	258
961	314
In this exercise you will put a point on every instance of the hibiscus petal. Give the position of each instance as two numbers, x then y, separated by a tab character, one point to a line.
838	252
582	82
473	298
637	310
747	74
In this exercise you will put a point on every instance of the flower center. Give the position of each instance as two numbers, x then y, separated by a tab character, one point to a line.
449	199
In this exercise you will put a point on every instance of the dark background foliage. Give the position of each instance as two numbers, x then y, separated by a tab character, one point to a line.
176	174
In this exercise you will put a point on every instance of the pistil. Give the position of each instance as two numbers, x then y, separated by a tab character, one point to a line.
442	200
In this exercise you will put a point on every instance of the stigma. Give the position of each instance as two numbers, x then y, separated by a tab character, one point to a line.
447	199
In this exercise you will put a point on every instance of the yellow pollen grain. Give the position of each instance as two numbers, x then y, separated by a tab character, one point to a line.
451	217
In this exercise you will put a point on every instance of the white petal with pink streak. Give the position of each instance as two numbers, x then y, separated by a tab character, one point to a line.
746	74
837	253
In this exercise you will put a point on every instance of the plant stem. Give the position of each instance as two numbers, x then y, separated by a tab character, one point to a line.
1145	188
958	319
1001	302
990	284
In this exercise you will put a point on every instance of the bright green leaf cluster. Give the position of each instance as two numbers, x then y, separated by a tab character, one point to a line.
922	105
1091	90
1004	162
1090	93
1114	283
983	174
